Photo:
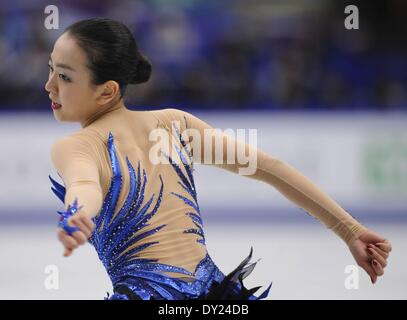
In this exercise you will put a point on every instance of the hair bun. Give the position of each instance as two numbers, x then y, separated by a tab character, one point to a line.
142	71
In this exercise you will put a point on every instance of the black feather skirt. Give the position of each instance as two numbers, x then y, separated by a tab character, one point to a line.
231	287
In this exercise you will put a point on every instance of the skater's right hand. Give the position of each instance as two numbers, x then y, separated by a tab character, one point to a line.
86	226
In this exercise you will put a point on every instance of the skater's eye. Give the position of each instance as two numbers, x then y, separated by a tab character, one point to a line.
60	75
64	77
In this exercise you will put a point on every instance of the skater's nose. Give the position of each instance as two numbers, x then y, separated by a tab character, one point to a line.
51	84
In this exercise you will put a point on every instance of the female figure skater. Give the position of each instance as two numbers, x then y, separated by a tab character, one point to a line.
143	218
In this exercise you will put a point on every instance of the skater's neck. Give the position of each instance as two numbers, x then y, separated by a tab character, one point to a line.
104	111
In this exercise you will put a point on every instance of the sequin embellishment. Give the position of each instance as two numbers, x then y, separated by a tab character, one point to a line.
115	239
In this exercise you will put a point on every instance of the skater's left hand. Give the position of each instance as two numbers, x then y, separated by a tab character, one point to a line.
371	252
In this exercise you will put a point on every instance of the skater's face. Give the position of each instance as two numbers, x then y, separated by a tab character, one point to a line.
75	98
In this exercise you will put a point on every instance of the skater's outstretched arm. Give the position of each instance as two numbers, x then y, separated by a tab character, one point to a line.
73	160
299	189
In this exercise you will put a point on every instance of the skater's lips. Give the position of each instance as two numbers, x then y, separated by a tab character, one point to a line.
55	105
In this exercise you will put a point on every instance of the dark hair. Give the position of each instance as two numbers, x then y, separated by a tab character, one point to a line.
112	52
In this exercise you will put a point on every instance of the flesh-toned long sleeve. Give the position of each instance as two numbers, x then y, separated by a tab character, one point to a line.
78	169
291	183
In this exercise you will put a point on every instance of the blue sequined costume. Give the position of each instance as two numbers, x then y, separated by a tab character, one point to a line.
140	278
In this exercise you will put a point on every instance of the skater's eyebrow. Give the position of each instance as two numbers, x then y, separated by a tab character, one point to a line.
62	65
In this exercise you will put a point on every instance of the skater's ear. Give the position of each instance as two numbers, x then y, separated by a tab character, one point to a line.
107	92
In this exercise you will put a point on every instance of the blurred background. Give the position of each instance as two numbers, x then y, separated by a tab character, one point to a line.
329	101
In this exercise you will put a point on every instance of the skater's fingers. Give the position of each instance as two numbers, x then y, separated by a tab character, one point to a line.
79	236
88	222
385	245
384	254
81	225
370	271
67	252
61	234
67	241
377	268
375	255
